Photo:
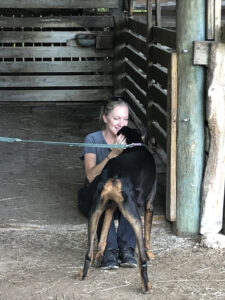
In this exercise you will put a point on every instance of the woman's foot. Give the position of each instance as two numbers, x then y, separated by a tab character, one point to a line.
127	258
110	261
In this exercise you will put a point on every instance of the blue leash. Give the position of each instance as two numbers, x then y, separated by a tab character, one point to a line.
16	140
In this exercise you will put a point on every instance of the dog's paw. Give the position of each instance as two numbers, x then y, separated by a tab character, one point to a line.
150	255
146	289
80	275
99	257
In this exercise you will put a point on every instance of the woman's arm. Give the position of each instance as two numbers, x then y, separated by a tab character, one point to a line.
91	169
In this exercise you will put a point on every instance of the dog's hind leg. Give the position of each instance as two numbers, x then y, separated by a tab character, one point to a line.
105	229
135	221
92	228
148	216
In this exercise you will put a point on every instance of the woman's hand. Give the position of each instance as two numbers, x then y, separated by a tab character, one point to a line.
120	139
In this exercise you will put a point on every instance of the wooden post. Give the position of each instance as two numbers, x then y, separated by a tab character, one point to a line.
190	123
214	178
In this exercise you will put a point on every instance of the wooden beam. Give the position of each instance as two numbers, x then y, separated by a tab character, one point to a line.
159	96
160	55
55	66
159	74
136	107
55	95
136	58
63	51
136	26
135	74
55	81
49	37
57	22
139	44
57	4
160	136
160	116
190	122
135	90
164	36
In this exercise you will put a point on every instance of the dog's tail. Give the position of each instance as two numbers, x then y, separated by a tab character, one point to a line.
112	190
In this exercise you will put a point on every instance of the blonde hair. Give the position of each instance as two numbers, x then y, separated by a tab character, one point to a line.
110	105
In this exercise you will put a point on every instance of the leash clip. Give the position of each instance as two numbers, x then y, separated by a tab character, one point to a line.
134	145
18	140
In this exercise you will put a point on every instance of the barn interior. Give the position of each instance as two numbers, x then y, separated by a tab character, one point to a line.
52	88
39	182
60	61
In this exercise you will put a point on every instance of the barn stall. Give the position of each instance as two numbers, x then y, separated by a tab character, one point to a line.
52	86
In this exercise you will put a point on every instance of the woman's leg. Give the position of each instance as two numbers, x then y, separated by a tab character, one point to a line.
112	236
125	234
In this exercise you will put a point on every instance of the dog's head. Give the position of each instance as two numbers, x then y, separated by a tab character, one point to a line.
132	135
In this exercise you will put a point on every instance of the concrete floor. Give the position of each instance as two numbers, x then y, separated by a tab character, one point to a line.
38	183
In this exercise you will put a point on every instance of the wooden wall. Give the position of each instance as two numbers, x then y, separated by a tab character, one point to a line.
135	76
40	59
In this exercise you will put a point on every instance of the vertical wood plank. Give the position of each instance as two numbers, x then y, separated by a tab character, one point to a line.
210	21
119	10
171	139
223	34
158	13
218	15
119	59
213	26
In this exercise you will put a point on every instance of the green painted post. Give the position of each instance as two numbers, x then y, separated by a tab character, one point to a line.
190	121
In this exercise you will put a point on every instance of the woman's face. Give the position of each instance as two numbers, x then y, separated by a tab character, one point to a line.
117	118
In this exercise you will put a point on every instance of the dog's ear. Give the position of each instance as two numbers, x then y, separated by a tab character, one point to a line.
143	133
132	135
123	131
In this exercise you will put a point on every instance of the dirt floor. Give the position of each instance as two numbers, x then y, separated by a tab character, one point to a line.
43	238
42	264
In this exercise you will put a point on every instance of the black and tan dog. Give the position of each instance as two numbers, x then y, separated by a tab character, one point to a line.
126	182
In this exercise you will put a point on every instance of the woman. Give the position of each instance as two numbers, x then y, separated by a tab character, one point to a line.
121	243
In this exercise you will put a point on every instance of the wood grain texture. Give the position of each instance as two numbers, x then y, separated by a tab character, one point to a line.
214	177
